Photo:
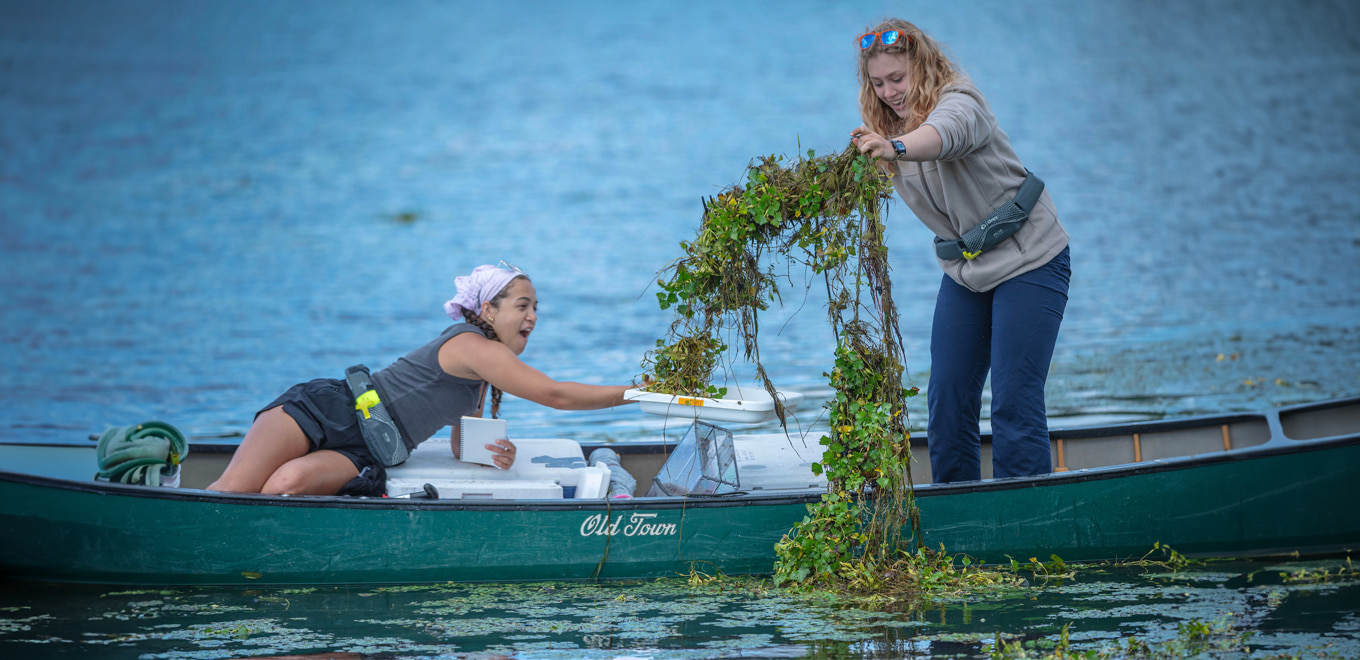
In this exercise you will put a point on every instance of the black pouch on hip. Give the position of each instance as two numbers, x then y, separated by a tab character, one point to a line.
380	432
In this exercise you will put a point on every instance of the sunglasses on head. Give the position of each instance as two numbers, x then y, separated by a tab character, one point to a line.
886	37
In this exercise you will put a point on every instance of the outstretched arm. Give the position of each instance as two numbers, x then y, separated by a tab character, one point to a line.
922	144
470	355
960	124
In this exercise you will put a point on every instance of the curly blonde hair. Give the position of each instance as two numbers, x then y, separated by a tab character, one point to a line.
931	72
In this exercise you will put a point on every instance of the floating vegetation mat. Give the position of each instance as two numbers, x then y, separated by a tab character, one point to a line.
1298	609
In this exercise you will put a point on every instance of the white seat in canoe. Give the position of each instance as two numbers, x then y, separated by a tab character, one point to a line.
774	461
542	469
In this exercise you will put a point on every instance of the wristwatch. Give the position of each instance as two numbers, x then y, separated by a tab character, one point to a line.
899	147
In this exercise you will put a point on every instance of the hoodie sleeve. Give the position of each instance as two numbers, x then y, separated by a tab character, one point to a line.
963	120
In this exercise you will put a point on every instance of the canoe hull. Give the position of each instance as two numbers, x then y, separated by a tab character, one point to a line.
102	535
1284	496
1271	503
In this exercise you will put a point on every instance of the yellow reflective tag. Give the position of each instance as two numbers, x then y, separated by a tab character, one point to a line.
366	401
970	255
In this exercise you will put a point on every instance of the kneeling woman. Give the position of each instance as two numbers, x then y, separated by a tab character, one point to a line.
308	441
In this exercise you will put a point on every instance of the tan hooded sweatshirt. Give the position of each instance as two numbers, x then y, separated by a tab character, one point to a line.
976	172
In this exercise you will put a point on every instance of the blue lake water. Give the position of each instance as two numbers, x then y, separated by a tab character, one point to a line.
202	203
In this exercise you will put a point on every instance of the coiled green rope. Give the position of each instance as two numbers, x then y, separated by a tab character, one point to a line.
141	454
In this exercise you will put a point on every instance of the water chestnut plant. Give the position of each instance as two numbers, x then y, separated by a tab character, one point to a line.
825	214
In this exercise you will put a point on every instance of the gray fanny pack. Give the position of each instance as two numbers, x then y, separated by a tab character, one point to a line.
997	227
375	422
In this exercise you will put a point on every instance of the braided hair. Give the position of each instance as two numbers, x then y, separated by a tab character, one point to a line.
476	321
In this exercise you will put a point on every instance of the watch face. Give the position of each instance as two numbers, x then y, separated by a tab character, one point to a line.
897	145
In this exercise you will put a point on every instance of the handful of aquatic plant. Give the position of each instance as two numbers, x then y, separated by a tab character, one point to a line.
825	213
686	366
806	213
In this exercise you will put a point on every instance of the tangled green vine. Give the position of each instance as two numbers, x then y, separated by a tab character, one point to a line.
825	213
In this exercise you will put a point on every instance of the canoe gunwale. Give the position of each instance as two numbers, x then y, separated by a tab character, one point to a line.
1273	448
404	504
1151	466
1278	443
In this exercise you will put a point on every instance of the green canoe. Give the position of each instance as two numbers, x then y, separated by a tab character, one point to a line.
1271	483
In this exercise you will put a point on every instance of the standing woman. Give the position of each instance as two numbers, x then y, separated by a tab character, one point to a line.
308	441
1003	294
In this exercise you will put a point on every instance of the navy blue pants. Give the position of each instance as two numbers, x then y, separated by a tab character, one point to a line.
1010	330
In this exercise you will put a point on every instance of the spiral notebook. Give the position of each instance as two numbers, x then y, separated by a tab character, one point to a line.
474	433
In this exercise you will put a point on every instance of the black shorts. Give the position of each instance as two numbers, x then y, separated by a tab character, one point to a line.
324	411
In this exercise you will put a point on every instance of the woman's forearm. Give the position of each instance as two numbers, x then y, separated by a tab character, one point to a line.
922	144
567	395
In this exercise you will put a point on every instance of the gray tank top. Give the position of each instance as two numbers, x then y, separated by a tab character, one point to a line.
423	397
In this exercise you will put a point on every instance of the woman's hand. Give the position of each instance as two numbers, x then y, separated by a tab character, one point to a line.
873	144
923	143
504	453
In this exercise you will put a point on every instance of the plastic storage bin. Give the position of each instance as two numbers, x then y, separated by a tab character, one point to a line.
703	463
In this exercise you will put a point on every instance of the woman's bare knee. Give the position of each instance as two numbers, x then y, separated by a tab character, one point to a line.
272	441
318	473
287	480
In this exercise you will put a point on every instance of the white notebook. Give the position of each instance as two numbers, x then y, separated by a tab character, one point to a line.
474	433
